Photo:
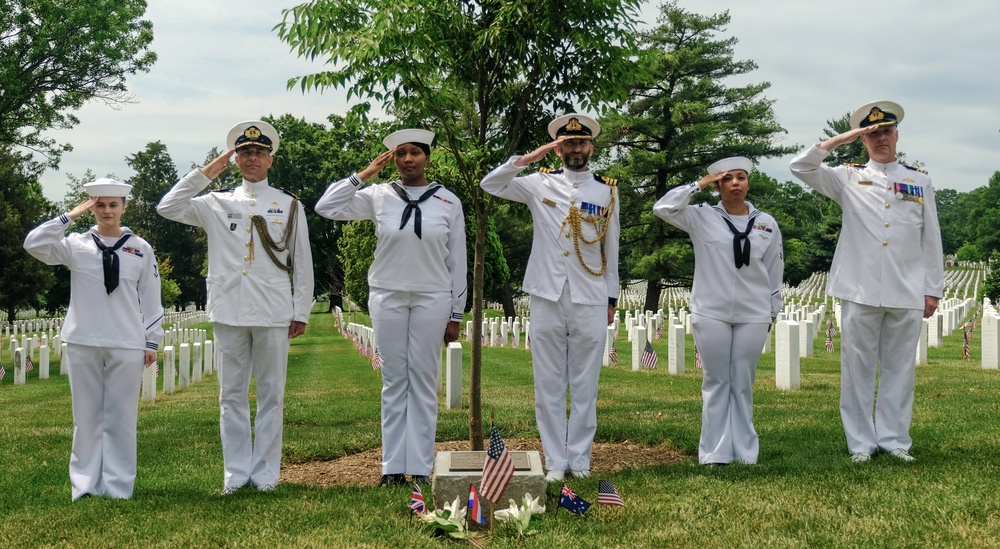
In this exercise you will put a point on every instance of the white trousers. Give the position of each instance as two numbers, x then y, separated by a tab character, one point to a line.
105	388
885	339
567	343
729	355
409	328
262	352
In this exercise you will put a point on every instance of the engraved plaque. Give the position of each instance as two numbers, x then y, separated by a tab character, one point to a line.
474	461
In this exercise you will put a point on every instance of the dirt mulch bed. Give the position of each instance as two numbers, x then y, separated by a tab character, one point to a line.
365	469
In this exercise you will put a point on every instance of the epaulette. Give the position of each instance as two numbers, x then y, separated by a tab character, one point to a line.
606	180
223	190
855	165
915	169
289	193
550	170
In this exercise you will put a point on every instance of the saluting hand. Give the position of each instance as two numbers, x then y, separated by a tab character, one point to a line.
847	137
217	166
537	154
711	179
381	161
81	208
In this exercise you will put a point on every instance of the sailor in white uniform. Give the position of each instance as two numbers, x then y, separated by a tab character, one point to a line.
735	297
888	271
417	291
260	291
572	277
113	327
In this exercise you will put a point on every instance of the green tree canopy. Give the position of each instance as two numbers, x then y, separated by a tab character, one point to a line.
56	55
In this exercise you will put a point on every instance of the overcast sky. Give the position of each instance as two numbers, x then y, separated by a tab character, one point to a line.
220	63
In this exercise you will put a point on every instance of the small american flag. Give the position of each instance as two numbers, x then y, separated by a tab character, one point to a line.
498	341
659	332
2	372
417	501
697	357
829	343
965	345
613	356
377	360
28	364
527	343
607	495
649	357
499	468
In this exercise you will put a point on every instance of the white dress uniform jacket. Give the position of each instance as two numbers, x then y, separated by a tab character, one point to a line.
889	253
132	316
436	262
720	291
553	261
245	289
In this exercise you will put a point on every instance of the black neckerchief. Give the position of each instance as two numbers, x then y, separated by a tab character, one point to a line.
741	253
413	206
110	260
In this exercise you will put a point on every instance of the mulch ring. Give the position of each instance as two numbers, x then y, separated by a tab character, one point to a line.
365	468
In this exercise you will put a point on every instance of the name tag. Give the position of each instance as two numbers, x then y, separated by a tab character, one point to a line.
234	216
548	203
866	183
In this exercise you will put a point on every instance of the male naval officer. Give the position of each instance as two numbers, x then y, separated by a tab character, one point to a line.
572	277
888	271
260	289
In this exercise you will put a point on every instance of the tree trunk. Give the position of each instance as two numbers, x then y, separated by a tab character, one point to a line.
507	300
652	295
478	279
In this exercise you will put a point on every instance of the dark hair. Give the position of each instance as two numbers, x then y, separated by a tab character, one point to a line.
422	146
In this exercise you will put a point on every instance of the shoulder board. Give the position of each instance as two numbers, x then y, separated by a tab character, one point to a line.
289	194
606	180
855	165
223	190
915	169
549	170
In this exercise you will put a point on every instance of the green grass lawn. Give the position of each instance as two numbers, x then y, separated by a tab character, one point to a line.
804	492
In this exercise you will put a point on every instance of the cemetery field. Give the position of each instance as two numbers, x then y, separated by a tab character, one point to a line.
804	491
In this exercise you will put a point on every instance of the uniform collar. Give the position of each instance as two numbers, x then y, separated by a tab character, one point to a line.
249	187
721	209
884	167
125	231
577	177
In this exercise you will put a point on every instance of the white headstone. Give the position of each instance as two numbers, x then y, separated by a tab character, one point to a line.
609	342
515	341
19	373
148	392
805	344
184	366
196	362
921	357
209	351
453	376
991	341
468	330
63	360
43	362
935	330
169	369
675	350
638	344
786	356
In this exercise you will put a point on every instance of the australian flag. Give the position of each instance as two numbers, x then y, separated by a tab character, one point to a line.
574	503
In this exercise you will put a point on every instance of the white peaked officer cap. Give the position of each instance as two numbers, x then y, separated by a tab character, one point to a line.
253	132
395	139
107	187
574	126
881	113
730	164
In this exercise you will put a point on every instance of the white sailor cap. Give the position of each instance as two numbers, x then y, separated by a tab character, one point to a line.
730	164
253	132
107	187
883	113
395	139
574	126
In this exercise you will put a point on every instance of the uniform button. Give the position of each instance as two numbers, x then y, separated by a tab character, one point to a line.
888	187
247	244
253	195
886	223
253	202
576	185
571	202
885	242
244	273
887	205
248	229
246	258
566	254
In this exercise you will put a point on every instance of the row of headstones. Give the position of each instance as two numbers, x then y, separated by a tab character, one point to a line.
50	326
501	332
34	342
990	336
185	319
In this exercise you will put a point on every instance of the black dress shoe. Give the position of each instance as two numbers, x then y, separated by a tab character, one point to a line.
395	479
421	479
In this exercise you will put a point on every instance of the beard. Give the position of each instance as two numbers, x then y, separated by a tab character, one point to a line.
575	162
